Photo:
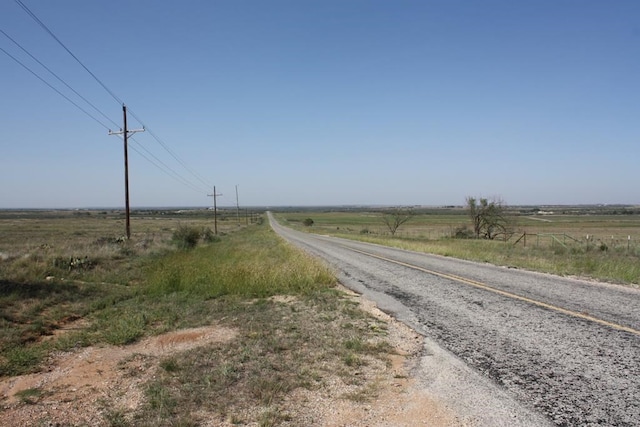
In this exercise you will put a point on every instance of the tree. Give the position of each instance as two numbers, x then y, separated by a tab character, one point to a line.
395	218
489	218
308	222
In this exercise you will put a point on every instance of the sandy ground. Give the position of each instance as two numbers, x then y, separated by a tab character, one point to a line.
81	387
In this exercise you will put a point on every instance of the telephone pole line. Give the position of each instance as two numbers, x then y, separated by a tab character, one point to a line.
125	133
237	206
215	209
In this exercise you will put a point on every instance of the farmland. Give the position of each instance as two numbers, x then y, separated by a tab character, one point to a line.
599	242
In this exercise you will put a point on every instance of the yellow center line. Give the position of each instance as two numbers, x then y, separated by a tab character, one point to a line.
486	287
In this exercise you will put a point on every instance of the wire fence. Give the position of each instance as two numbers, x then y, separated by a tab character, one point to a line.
603	243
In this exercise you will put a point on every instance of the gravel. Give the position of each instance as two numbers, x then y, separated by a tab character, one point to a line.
499	360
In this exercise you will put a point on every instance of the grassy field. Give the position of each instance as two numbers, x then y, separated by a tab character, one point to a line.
591	242
122	291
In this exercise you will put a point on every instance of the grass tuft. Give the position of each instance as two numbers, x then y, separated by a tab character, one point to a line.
30	396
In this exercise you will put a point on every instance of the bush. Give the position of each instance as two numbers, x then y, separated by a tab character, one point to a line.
463	233
74	263
308	222
209	237
186	237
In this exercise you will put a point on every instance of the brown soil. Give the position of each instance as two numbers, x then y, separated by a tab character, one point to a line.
84	386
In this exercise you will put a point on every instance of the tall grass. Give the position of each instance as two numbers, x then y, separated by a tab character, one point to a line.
253	263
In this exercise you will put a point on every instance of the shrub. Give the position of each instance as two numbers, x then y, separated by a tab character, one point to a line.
463	232
74	263
308	222
208	236
186	237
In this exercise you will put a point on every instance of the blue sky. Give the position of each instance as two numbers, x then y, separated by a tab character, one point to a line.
324	102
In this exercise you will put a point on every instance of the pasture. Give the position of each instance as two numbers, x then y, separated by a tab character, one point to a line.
596	242
90	244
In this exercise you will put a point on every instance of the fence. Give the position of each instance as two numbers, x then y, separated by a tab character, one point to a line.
588	241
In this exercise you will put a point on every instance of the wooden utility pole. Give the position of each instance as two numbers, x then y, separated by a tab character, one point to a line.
237	206
125	135
215	209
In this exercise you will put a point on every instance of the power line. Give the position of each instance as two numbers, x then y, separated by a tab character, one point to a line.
165	146
35	18
113	95
52	87
168	170
58	77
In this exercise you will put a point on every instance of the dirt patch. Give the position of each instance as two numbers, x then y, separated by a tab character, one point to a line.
83	387
92	385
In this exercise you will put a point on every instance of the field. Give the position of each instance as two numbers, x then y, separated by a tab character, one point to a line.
36	244
69	281
597	242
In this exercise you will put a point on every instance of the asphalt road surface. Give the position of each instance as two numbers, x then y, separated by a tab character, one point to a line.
564	351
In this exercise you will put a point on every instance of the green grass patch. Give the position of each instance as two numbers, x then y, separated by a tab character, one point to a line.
30	396
254	263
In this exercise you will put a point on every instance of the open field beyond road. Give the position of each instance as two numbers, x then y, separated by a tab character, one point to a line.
555	243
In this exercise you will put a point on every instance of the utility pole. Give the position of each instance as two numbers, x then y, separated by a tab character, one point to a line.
215	209
237	206
125	134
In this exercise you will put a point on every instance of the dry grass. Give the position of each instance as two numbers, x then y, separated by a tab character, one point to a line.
280	348
555	243
147	286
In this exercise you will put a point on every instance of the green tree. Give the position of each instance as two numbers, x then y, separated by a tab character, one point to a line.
489	218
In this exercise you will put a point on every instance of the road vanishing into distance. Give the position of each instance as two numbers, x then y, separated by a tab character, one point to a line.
566	350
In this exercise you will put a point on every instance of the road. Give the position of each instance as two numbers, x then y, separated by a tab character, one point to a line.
567	350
